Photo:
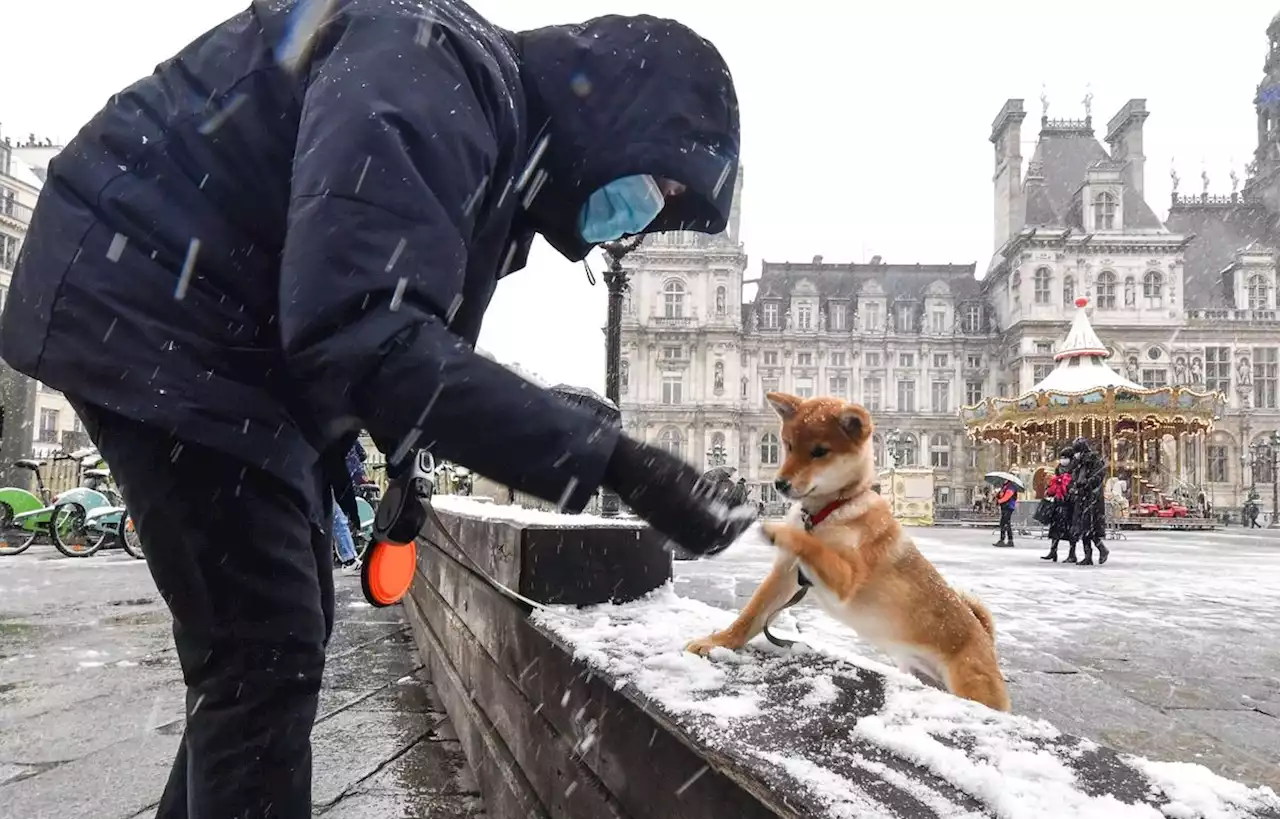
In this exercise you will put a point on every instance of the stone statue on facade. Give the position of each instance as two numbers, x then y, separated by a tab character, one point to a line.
1131	368
1130	293
786	320
1197	371
719	376
822	318
753	319
1244	372
1180	371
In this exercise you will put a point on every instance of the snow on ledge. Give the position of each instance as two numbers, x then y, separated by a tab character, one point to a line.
524	516
842	736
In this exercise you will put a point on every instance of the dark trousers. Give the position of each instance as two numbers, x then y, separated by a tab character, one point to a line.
1006	525
249	581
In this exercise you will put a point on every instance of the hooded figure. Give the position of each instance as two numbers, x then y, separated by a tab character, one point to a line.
1089	507
291	231
1058	495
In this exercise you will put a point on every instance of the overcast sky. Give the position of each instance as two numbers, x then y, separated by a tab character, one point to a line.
864	125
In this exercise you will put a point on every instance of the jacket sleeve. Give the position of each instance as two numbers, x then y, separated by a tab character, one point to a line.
394	151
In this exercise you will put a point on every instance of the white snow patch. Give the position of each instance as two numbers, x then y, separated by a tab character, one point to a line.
1196	793
822	692
126	664
641	644
90	664
522	516
842	798
358	604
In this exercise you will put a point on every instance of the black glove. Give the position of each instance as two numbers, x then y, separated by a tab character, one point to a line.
664	490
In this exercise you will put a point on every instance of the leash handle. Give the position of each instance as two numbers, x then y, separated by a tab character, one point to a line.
392	560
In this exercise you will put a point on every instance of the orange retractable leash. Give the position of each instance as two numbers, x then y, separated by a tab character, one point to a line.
392	559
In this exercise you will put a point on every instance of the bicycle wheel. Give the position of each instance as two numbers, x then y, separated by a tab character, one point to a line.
70	534
128	537
14	539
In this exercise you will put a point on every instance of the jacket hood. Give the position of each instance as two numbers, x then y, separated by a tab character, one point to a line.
618	96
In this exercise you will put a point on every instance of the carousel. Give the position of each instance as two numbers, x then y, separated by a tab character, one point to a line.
1135	428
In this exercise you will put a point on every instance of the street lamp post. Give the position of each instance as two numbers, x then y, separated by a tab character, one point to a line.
1275	480
893	442
615	279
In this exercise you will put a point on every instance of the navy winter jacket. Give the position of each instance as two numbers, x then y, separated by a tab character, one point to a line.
292	228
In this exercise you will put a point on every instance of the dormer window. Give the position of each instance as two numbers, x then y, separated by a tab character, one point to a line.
972	318
1153	289
906	318
1104	211
770	315
804	316
1259	292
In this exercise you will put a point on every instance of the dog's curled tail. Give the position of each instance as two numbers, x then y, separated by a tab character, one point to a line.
980	611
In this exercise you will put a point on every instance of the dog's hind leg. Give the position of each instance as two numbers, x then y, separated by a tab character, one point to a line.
975	675
779	586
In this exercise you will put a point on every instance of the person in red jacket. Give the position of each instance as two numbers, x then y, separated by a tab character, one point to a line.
1007	500
1059	517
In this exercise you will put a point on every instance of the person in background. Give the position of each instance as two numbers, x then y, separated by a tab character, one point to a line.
1089	507
291	231
1007	500
1059	496
346	513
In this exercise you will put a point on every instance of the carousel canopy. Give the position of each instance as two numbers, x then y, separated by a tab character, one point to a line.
1082	361
1083	396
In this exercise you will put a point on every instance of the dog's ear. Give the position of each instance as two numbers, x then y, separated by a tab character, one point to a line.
856	422
783	404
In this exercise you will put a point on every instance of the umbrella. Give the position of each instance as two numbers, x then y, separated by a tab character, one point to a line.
589	400
998	479
719	473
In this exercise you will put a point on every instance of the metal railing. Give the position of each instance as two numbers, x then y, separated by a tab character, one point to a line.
16	211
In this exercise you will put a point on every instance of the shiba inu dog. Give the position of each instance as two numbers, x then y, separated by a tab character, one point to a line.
841	539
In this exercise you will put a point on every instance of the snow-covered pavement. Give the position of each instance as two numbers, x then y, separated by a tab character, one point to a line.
1170	651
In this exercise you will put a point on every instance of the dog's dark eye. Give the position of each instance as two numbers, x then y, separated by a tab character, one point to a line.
819	451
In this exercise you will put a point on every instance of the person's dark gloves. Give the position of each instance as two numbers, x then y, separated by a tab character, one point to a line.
697	514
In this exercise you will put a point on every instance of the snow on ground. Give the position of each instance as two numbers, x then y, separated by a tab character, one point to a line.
1012	764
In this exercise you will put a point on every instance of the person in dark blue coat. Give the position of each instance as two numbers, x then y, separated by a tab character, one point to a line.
290	232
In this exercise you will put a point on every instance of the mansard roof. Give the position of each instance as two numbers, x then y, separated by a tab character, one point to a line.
1223	226
847	281
1067	149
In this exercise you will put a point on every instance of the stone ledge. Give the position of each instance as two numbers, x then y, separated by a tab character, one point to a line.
600	714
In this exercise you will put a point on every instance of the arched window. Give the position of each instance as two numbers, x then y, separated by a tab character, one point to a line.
671	441
769	449
1153	289
1068	291
722	300
1106	287
673	299
1043	285
1104	211
1259	292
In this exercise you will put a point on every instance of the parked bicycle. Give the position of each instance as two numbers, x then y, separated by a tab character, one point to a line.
26	516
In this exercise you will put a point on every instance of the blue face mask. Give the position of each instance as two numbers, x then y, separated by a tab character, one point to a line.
625	206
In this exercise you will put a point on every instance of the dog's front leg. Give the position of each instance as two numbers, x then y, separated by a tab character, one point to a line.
779	586
840	571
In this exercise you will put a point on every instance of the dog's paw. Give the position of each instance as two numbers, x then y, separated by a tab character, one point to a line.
703	646
781	535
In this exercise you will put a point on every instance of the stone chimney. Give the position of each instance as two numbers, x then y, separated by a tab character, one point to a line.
1010	206
1124	135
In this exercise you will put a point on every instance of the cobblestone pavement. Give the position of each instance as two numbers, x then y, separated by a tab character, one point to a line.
1169	651
91	702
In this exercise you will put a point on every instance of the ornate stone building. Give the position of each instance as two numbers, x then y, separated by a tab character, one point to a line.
1190	300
